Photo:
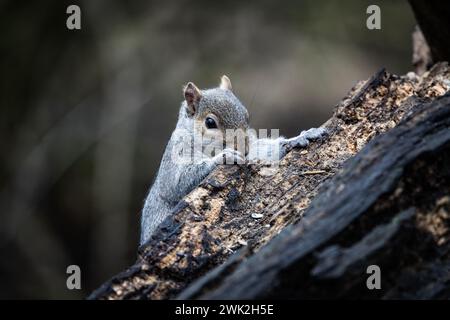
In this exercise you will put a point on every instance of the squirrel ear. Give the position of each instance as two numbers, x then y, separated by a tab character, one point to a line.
192	95
225	83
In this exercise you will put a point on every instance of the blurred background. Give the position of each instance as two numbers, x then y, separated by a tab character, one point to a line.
85	115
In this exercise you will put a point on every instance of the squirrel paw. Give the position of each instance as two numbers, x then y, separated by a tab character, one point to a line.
229	156
303	139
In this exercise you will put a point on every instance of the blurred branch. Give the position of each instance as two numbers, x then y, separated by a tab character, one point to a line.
422	59
433	18
116	151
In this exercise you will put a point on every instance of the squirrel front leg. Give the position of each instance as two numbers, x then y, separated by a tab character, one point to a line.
191	175
172	184
274	149
303	139
175	181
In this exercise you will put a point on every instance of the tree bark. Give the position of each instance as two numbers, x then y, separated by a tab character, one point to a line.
241	232
388	207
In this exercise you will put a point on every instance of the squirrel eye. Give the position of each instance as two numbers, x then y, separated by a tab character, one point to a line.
210	123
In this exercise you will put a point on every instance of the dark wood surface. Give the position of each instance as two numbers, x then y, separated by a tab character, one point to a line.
389	207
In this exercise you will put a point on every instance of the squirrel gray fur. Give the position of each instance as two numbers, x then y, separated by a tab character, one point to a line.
205	114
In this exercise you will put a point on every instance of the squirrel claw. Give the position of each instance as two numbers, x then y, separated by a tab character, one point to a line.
229	156
303	139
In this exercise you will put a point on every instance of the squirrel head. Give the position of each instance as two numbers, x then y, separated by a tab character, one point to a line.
217	108
214	111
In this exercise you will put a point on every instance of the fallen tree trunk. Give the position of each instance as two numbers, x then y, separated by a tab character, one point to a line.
230	222
389	207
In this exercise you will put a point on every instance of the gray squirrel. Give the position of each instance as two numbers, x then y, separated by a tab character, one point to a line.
196	148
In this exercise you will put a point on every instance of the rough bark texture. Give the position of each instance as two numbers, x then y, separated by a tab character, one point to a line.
387	206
